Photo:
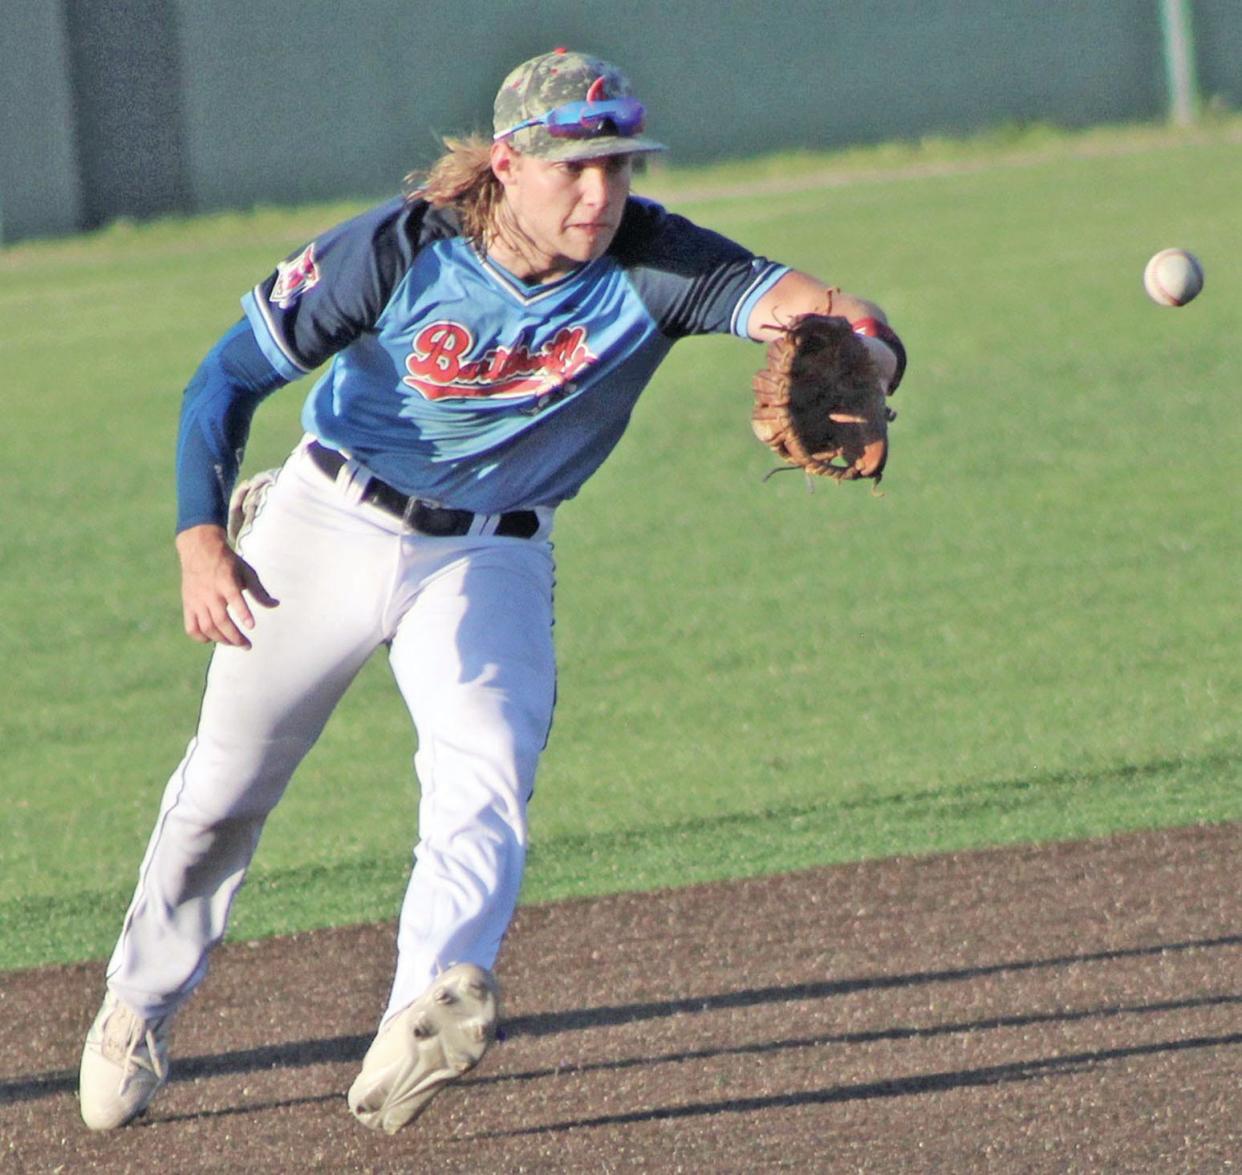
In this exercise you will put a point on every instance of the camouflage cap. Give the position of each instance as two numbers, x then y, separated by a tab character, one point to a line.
551	80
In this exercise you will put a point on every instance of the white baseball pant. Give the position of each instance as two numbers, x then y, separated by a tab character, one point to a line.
468	623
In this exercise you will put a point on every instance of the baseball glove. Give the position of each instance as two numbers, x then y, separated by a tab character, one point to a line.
245	501
819	402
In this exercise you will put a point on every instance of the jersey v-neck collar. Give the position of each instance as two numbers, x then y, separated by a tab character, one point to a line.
524	292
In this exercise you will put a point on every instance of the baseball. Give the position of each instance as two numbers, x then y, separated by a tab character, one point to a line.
1173	277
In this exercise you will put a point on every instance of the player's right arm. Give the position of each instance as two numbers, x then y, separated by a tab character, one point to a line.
216	411
315	303
214	579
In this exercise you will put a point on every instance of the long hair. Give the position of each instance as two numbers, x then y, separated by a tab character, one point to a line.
462	179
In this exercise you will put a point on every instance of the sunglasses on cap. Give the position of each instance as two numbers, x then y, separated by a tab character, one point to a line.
586	120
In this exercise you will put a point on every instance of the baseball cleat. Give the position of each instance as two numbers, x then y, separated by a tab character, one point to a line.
124	1064
439	1037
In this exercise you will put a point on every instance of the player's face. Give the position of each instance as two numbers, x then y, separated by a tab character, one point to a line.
564	214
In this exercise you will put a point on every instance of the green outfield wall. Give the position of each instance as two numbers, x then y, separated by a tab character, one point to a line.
136	107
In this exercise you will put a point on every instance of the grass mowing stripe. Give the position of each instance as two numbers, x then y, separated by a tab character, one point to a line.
963	798
1060	805
1055	805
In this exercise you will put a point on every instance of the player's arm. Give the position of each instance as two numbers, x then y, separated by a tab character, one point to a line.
216	412
798	293
695	281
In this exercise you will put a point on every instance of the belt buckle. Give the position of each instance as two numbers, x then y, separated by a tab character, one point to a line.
438	522
409	515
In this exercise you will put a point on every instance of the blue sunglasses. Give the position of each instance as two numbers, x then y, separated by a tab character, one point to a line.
586	120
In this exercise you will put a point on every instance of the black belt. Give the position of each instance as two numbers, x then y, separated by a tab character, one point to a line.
437	521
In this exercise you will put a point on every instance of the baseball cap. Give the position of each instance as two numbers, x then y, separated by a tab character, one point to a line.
564	105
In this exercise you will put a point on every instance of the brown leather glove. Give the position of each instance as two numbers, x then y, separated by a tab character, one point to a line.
819	401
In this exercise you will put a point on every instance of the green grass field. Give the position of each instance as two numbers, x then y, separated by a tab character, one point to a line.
1032	635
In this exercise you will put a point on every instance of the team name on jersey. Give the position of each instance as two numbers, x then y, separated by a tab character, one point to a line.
439	368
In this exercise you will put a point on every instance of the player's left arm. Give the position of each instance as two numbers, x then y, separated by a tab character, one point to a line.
798	293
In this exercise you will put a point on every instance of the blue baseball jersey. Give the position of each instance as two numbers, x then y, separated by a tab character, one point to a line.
454	380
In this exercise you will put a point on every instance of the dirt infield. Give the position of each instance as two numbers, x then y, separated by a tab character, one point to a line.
1066	1008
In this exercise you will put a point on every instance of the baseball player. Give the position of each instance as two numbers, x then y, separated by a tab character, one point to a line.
487	337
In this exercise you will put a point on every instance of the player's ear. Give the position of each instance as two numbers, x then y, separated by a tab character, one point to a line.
504	162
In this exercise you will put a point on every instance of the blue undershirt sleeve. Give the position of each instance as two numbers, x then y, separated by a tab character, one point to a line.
216	411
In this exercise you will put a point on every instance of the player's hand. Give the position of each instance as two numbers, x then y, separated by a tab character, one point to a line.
214	583
884	358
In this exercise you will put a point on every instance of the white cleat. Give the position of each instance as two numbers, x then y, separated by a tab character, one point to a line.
439	1037
124	1064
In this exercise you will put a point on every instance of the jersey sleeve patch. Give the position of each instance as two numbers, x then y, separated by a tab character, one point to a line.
321	298
294	277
